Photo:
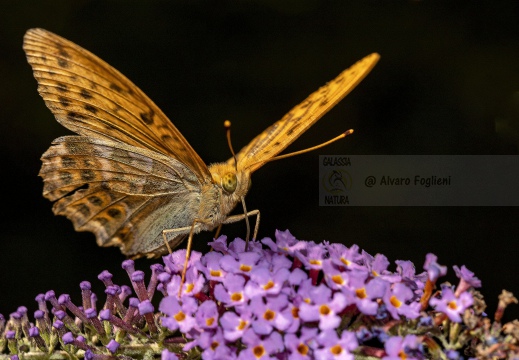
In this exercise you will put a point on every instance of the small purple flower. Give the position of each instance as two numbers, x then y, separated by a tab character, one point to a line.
398	348
230	292
335	348
363	293
210	266
467	279
323	307
397	300
377	266
300	347
194	282
285	243
407	272
341	255
434	270
213	345
207	315
234	325
263	282
145	307
260	348
269	314
174	262
220	244
178	316
167	355
113	346
334	277
451	305
314	256
244	264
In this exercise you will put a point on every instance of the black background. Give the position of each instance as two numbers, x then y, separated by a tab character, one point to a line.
447	83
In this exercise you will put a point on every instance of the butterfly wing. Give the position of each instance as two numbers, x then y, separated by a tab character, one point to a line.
91	98
132	194
285	131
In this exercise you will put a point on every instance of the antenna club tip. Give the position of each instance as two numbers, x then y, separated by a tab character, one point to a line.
348	132
227	124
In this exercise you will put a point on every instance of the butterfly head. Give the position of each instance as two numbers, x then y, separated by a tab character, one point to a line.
233	183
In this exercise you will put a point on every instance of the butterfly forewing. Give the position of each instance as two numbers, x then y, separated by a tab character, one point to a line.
282	133
93	99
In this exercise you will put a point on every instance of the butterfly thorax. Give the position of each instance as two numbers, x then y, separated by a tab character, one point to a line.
229	186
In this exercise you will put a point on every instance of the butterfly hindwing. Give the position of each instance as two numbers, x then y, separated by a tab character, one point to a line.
132	193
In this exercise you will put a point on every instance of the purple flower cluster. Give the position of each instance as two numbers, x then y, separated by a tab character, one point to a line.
291	299
284	299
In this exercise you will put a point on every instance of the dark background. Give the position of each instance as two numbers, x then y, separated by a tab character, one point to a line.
447	83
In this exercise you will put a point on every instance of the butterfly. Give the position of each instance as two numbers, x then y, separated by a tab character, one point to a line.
129	176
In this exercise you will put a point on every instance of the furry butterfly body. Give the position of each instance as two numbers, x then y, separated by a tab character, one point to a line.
129	176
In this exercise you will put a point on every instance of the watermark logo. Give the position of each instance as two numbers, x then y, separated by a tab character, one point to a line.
336	181
418	180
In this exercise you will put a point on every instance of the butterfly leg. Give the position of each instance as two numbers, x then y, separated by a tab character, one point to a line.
195	225
235	218
217	233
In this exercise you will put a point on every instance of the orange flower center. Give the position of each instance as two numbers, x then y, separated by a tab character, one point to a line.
236	296
245	268
295	312
209	321
336	350
345	261
302	349
338	279
268	285
395	302
361	293
180	316
241	325
189	287
216	273
269	315
324	310
258	351
452	305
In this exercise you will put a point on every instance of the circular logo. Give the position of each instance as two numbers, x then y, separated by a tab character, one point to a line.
336	181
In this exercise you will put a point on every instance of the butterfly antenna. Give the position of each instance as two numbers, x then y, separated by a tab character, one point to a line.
284	156
227	125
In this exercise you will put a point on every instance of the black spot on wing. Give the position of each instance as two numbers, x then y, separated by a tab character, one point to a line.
64	101
85	94
62	87
116	88
114	213
83	209
65	177
75	116
68	162
88	175
95	200
91	109
63	63
147	117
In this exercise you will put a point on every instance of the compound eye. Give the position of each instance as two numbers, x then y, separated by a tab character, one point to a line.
229	182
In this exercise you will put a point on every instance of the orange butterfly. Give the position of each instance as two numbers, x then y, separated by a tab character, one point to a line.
130	177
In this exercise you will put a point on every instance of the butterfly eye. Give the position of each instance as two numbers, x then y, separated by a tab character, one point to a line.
229	182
